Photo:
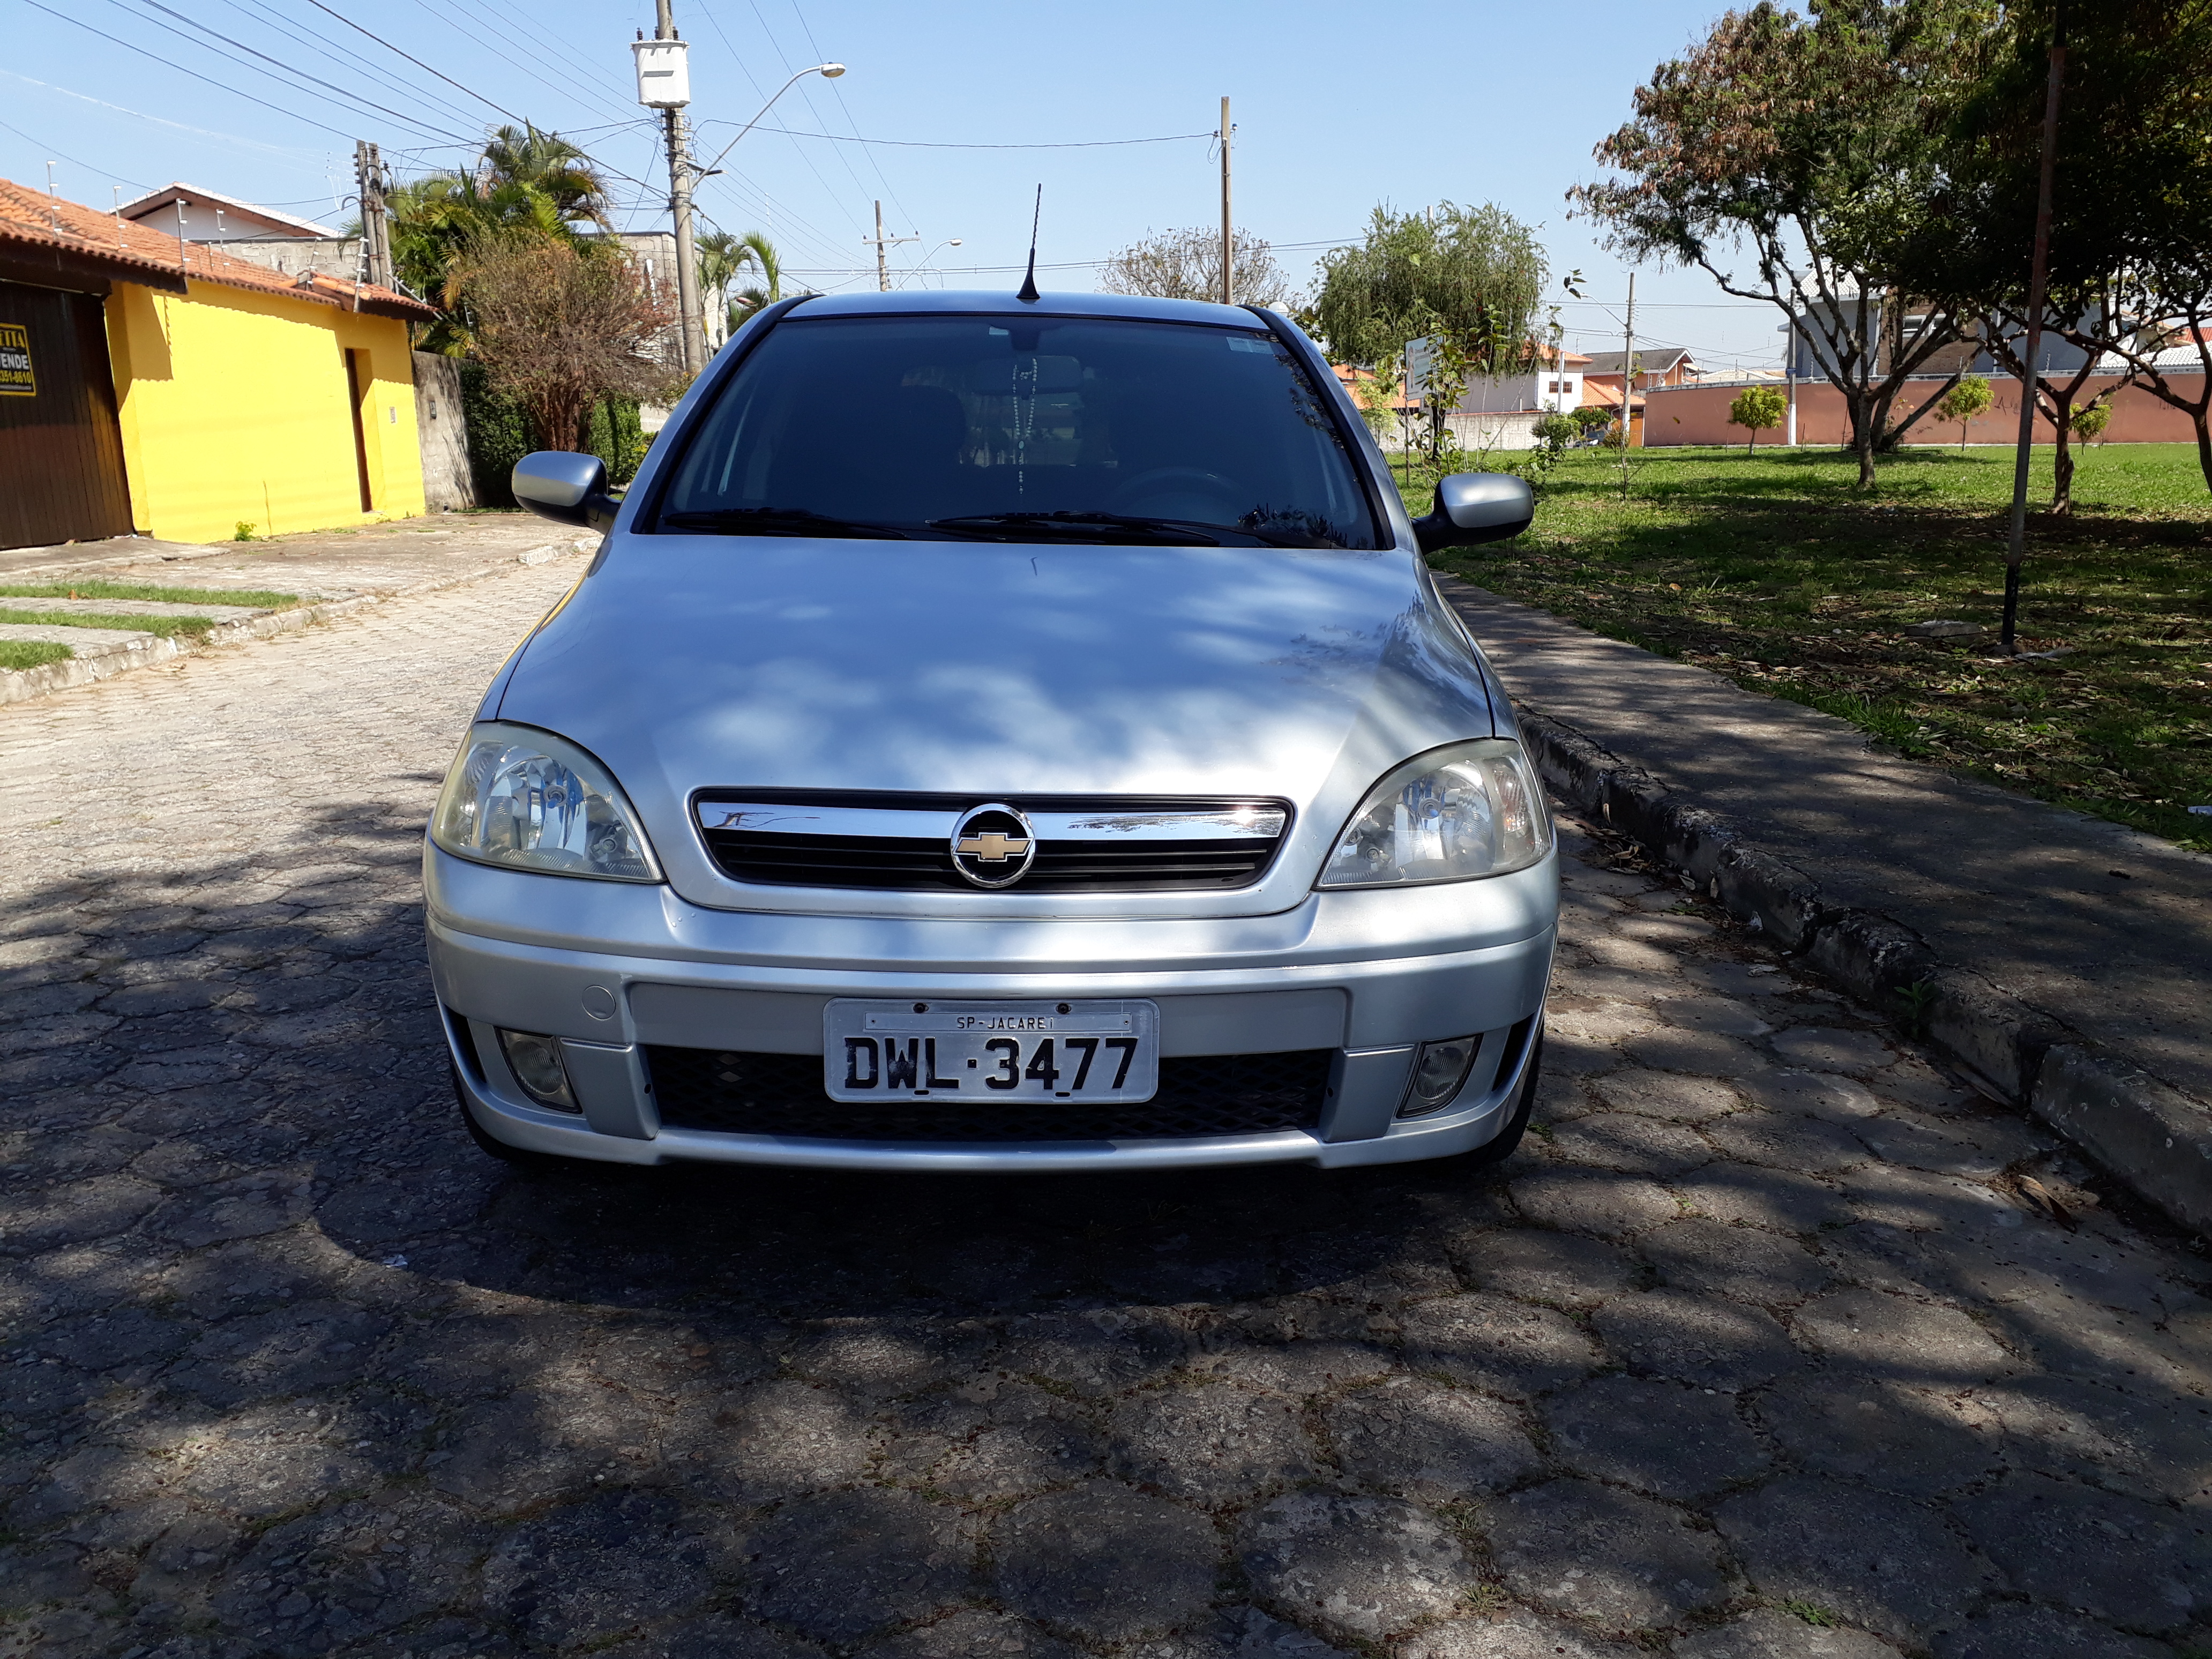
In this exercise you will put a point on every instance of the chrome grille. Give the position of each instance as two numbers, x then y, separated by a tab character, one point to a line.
1085	844
1199	1096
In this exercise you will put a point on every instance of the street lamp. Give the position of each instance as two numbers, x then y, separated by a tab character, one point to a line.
827	71
922	264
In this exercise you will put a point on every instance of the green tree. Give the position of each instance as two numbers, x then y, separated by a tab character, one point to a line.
2130	250
550	165
1757	408
524	181
1969	396
1457	288
724	259
1474	276
1808	142
2090	421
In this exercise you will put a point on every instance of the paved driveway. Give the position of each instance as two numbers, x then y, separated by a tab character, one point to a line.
1760	1351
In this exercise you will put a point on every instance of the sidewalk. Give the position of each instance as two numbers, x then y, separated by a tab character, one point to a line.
331	572
2059	928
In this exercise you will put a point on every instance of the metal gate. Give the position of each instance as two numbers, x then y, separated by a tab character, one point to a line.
61	452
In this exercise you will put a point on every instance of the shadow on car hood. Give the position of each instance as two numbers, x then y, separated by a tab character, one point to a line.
695	662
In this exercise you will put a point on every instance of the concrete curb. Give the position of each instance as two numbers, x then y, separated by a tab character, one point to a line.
104	662
2154	1138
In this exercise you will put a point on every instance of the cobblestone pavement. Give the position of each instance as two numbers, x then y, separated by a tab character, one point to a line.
1761	1346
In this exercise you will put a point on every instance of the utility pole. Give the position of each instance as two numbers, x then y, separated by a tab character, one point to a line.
1627	382
1789	373
680	180
1228	239
375	229
2038	272
882	241
390	272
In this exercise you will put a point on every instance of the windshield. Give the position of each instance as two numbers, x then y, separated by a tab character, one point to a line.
1020	428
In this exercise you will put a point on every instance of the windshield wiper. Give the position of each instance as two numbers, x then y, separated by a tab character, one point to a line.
1184	532
779	522
1164	532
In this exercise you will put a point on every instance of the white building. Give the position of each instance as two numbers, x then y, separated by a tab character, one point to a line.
1500	412
209	216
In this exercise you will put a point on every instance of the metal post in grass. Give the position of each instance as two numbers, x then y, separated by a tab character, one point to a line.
1628	379
2038	275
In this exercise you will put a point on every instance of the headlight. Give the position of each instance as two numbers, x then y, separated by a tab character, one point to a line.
1472	809
528	800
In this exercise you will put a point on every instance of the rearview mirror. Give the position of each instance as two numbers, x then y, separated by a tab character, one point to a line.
1474	507
565	487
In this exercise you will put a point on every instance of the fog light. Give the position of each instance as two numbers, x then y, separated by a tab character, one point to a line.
536	1062
1439	1070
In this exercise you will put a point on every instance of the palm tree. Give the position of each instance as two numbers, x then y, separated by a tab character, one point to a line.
548	162
437	218
524	183
723	258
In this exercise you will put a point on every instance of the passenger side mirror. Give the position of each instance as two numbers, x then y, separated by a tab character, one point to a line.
565	487
1474	507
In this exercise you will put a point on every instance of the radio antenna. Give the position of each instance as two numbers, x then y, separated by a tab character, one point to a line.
1028	296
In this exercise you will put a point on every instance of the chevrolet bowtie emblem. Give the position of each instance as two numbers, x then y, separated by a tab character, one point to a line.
993	845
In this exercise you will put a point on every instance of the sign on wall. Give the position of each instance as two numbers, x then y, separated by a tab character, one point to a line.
16	380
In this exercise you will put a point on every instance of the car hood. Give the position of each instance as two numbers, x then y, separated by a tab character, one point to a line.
687	663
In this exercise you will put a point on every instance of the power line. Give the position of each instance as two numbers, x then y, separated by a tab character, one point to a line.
917	143
419	125
261	12
64	155
806	95
734	177
551	38
203	132
837	91
776	48
289	115
451	17
418	62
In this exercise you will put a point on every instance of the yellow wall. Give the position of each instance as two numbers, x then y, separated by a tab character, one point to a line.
234	406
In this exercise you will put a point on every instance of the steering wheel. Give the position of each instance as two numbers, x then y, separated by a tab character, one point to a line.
1182	492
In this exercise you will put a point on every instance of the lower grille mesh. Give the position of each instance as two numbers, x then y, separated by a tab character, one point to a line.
1199	1097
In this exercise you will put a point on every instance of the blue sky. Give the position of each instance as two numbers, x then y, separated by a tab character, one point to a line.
1336	109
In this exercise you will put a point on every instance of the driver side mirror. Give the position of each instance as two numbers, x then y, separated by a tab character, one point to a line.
566	488
1474	507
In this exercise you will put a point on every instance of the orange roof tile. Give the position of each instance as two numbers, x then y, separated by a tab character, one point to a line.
127	252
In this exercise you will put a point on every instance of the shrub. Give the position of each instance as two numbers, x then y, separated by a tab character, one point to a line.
1555	431
498	434
1970	398
1756	409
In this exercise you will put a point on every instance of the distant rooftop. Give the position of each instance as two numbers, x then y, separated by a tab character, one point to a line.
1650	360
256	219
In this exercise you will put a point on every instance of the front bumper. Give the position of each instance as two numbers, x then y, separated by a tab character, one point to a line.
614	970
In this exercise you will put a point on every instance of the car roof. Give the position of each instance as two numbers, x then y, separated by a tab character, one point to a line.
1002	302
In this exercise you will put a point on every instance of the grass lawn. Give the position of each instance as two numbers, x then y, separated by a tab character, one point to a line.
160	627
35	653
1773	569
257	597
32	654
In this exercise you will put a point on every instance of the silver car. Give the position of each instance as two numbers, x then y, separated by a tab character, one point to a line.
999	733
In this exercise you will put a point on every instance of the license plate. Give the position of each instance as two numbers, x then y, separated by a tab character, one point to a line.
993	1051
